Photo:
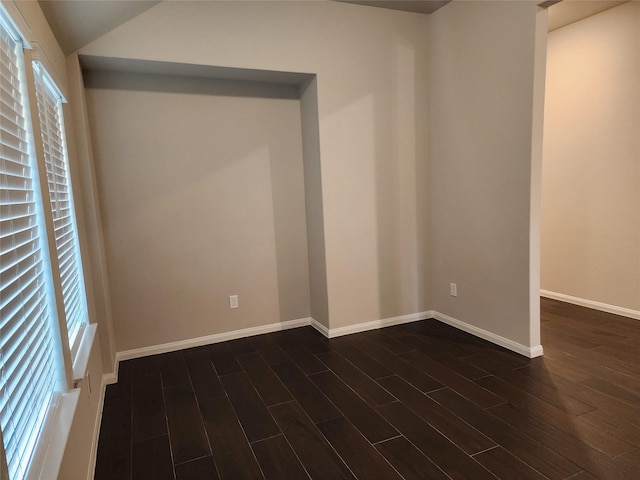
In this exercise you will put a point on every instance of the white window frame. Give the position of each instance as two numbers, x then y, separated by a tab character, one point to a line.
51	129
70	360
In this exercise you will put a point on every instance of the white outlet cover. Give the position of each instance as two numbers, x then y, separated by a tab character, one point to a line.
233	301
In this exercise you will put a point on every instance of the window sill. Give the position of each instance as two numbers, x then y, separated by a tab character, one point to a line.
81	360
52	444
64	409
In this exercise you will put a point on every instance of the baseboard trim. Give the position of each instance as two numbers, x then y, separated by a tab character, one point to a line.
206	340
530	352
319	327
107	379
603	307
373	325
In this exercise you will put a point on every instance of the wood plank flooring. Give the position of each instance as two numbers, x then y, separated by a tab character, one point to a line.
417	401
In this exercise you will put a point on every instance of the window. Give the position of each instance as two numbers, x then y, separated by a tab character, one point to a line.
33	383
61	200
27	374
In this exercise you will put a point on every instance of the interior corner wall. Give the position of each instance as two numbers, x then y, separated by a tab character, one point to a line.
202	197
319	305
371	70
591	166
482	62
89	221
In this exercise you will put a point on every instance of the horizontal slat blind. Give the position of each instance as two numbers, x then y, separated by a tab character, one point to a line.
61	200
27	371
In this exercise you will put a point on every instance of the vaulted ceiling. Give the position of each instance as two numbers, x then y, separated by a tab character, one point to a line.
76	23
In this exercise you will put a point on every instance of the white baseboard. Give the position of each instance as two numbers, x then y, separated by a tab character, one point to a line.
206	340
327	332
319	327
603	307
530	352
107	379
374	325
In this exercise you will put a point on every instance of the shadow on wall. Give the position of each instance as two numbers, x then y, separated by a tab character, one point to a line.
141	82
379	256
400	179
202	196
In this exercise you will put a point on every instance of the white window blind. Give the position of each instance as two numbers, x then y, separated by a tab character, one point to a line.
61	201
27	371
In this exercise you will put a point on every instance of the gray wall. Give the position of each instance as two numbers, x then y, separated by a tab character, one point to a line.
482	59
313	195
202	196
371	71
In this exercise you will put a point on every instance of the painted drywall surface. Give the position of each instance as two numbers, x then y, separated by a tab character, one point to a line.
591	169
319	306
88	213
202	197
481	108
371	68
537	129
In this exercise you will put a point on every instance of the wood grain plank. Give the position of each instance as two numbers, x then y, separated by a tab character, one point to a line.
152	459
203	376
231	451
364	417
277	460
315	453
535	454
306	393
148	411
567	445
435	446
263	378
363	385
462	434
505	466
456	382
224	361
361	457
186	430
399	366
574	426
409	461
254	417
200	469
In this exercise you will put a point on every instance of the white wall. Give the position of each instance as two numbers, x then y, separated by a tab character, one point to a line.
482	70
202	196
371	71
591	169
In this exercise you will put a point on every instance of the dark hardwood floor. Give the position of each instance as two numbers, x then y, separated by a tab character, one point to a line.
417	401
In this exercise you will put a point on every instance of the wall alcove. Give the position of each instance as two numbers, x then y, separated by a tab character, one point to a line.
209	186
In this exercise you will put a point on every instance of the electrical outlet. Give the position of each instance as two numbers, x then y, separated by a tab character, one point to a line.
454	289
233	301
